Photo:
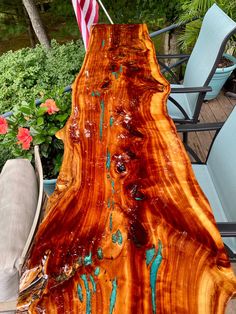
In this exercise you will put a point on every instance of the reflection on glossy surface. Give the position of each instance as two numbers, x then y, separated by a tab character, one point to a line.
128	229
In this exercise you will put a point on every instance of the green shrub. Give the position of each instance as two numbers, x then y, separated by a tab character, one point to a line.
29	73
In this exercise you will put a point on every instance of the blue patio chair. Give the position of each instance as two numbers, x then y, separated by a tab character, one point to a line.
217	176
185	101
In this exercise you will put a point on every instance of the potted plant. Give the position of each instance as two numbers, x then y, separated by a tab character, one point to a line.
31	125
224	69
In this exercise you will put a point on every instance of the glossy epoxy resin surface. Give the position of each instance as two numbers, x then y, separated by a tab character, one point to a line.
128	229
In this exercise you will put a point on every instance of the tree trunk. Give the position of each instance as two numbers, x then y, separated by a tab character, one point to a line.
30	29
171	47
36	23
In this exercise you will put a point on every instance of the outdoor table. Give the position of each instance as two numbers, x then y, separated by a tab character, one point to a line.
128	229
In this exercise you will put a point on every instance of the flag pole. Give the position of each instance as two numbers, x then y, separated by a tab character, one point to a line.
104	9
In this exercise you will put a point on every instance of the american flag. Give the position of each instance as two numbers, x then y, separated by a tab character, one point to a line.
86	12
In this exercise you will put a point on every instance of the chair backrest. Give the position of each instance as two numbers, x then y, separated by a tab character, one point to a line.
216	29
221	164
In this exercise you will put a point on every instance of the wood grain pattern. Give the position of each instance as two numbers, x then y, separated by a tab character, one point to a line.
128	229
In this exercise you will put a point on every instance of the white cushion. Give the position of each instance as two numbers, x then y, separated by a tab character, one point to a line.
18	202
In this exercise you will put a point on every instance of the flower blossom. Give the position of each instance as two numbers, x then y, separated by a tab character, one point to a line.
3	125
51	106
24	138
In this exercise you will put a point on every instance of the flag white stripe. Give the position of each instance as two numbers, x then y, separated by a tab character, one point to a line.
84	30
85	8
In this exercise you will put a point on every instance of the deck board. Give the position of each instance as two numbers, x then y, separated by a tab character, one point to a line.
216	110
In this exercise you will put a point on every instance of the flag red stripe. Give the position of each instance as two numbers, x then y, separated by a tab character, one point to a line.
78	10
81	3
86	14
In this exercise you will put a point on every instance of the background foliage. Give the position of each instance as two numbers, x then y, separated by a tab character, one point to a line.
198	8
29	73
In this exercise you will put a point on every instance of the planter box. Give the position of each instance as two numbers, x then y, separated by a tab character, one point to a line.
219	78
49	186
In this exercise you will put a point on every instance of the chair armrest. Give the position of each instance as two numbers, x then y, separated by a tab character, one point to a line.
39	173
227	229
181	90
199	127
174	56
6	114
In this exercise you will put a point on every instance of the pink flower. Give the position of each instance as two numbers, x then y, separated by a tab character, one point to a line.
3	125
51	106
24	138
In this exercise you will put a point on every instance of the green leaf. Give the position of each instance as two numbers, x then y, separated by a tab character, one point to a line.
44	149
33	131
25	110
38	139
24	103
41	111
62	117
52	130
40	121
44	153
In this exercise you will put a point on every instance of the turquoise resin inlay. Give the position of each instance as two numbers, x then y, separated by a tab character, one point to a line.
99	253
149	255
111	120
113	295
88	259
80	293
117	237
108	162
110	223
95	93
138	199
93	283
112	186
156	262
103	43
101	118
97	271
115	74
88	294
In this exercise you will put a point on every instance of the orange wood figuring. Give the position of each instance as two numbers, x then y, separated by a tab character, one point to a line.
128	229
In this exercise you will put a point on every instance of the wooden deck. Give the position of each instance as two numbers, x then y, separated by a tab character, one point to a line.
216	110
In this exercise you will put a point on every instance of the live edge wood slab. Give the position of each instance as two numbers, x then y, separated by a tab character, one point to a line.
128	229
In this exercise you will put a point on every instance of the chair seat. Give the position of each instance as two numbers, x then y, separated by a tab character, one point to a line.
182	99
205	181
